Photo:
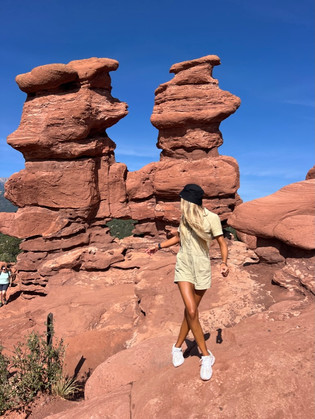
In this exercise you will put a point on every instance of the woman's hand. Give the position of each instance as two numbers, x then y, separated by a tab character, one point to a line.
152	250
224	269
167	243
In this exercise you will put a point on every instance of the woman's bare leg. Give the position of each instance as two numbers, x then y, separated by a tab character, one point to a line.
184	329
191	298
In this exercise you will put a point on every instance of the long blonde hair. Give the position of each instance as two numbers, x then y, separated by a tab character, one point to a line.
193	218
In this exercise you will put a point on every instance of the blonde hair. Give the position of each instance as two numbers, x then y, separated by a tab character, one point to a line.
193	218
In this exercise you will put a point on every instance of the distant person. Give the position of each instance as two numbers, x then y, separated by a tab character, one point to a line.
198	226
5	281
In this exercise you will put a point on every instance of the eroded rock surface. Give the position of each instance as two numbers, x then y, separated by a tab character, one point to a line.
124	323
280	228
287	215
72	186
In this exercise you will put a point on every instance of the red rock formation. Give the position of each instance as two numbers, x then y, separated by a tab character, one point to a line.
71	185
311	173
188	110
281	229
287	215
122	321
70	175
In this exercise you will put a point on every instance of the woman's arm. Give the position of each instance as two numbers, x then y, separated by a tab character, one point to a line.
224	255
167	243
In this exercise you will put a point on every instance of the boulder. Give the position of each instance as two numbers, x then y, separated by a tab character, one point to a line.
286	215
311	173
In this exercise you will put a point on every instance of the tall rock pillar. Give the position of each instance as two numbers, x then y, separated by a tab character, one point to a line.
71	183
187	112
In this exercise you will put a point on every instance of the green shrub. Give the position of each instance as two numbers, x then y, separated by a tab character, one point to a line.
121	228
9	248
232	231
34	367
66	387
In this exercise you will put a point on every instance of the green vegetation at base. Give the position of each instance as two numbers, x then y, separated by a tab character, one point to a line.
232	231
34	367
121	228
9	248
5	204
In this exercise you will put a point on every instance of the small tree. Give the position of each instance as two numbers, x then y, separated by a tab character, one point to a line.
9	248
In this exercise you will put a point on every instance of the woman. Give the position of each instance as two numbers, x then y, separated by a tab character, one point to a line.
198	227
5	281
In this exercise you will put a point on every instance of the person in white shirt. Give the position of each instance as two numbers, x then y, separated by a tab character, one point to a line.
5	281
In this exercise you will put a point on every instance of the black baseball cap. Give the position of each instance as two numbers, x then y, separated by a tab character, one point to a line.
192	193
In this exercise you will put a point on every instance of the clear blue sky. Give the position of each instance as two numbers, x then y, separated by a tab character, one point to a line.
266	49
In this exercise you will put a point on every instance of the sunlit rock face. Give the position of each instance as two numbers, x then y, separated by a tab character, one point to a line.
189	108
187	112
287	216
64	193
72	186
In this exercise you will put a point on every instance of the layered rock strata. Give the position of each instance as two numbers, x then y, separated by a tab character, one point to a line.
70	174
280	228
187	112
72	186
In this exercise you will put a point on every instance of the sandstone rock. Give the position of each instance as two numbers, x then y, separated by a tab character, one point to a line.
311	173
123	323
36	221
46	77
29	261
153	191
217	176
105	379
139	184
188	109
287	215
100	237
47	245
143	210
94	69
54	184
71	259
145	229
57	128
269	254
116	404
249	240
117	190
95	259
297	275
71	185
208	59
156	384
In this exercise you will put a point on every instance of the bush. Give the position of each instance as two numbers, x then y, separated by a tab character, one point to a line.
34	367
121	228
232	231
9	248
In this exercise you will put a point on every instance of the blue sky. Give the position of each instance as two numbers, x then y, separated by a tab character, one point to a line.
266	49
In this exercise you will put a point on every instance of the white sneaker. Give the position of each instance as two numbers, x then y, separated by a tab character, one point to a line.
177	356
206	366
